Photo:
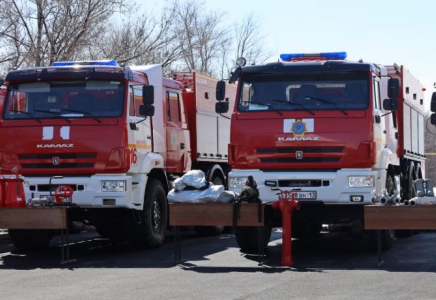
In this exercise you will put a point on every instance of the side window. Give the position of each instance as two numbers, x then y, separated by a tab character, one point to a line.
137	99
132	102
173	107
377	102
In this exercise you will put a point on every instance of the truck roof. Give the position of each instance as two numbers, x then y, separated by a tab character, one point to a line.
312	66
70	72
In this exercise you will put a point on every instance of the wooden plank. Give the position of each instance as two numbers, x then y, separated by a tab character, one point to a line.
400	217
33	218
213	214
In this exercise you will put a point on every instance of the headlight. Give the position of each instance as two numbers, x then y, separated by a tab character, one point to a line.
113	185
237	182
361	181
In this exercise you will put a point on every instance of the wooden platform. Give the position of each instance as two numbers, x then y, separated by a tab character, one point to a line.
400	217
213	214
33	217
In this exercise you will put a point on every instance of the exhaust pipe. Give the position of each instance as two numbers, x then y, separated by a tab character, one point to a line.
406	203
412	203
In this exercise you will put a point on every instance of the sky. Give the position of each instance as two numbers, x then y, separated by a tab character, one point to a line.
378	31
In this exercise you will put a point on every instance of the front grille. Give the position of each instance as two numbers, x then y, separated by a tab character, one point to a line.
299	155
300	183
304	150
60	166
60	155
303	183
48	188
57	160
303	160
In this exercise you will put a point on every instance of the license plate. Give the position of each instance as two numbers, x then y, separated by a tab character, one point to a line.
305	196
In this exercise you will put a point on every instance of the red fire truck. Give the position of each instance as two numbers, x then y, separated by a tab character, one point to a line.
344	133
118	136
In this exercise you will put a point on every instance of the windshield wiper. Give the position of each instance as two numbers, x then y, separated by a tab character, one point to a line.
82	112
327	102
26	113
296	103
53	113
269	105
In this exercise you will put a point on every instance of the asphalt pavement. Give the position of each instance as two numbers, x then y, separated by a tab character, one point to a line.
331	266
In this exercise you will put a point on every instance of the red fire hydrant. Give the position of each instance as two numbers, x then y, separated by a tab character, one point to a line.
287	204
13	191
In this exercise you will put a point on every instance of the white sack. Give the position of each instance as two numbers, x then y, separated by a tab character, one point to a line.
227	197
194	178
196	196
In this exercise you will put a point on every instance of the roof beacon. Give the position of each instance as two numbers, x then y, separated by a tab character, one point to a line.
314	56
112	63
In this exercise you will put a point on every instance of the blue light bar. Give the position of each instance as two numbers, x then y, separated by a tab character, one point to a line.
112	63
325	55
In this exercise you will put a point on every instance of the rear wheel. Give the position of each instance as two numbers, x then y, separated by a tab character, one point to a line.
148	229
30	239
248	237
411	193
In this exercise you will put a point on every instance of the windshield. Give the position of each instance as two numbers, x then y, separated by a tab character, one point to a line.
307	92
72	99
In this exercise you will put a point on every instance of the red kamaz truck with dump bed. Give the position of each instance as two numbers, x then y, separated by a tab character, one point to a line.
118	136
345	134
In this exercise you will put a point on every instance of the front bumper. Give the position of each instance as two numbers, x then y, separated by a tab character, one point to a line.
87	191
336	192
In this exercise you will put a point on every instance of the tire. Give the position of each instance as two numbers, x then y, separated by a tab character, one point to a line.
411	193
30	239
387	239
248	239
150	232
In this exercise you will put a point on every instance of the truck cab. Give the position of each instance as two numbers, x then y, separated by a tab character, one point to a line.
339	133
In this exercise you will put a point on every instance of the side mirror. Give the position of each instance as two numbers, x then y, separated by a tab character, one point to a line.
433	102
148	94
433	119
393	88
390	104
220	90
146	110
221	107
235	75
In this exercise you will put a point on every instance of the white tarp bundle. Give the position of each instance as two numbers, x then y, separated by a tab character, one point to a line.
210	194
193	178
183	192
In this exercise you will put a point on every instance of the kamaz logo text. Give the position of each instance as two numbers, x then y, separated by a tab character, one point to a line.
39	146
303	138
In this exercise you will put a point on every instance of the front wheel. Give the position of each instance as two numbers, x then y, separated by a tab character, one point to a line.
149	226
248	237
387	239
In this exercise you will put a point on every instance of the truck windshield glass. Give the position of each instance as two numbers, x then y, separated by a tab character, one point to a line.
78	99
304	92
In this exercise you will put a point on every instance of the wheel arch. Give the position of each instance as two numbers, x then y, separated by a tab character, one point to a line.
160	175
216	170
